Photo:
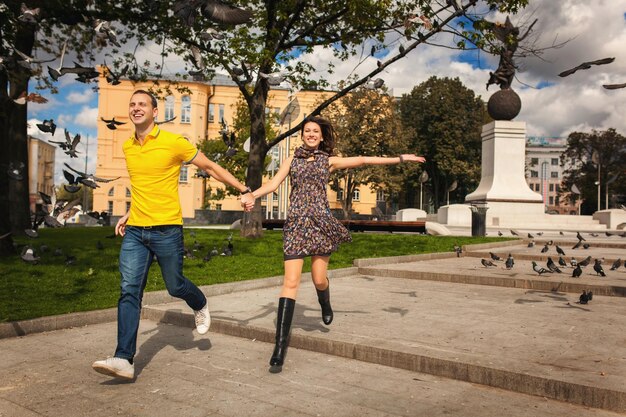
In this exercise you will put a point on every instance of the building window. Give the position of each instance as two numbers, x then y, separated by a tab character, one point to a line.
534	174
127	206
380	195
554	174
110	207
551	187
356	195
111	191
218	207
556	200
185	110
169	107
537	187
555	161
221	114
557	188
127	192
184	171
340	194
551	201
534	161
211	113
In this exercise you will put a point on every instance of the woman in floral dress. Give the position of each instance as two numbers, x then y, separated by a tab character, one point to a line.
310	228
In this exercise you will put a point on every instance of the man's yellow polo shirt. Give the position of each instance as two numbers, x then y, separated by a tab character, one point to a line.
154	170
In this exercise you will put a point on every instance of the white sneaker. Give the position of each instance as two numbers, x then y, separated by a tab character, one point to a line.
203	319
117	367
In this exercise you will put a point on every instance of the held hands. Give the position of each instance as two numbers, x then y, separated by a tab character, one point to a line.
247	201
412	158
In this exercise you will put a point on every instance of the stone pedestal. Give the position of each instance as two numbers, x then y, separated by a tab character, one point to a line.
503	186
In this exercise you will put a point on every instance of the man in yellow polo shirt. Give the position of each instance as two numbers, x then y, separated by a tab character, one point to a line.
153	226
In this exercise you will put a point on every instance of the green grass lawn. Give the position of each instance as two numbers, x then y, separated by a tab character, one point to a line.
51	287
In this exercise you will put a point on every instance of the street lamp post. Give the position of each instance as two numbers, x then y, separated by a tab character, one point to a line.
595	158
423	179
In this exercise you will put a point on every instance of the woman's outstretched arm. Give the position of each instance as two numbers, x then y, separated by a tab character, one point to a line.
337	162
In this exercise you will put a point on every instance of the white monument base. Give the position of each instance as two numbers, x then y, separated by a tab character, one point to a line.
410	215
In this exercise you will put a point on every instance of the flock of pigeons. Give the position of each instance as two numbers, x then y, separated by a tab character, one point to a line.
559	266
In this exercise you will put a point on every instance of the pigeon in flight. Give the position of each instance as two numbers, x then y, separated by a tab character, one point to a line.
47	126
586	65
274	78
374	84
165	121
90	180
112	124
509	262
616	264
214	10
538	269
486	263
577	272
105	32
614	86
112	77
29	15
202	174
597	266
559	250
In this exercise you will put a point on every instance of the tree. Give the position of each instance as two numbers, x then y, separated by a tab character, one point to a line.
582	166
446	118
367	123
280	35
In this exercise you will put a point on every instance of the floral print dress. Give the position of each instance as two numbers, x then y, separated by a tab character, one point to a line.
310	228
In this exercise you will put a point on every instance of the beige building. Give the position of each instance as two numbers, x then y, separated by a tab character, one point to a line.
198	114
41	157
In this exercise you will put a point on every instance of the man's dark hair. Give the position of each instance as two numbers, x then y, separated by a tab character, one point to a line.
153	99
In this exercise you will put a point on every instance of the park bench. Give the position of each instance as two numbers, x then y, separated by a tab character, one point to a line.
364	225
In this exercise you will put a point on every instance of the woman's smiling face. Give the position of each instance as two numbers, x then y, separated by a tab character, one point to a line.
311	135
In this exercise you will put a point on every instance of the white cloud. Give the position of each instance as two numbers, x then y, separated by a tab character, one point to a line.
81	97
88	116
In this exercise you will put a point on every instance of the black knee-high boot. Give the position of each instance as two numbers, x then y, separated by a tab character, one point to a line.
283	328
324	299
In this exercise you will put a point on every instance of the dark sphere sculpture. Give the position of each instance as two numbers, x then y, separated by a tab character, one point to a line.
504	104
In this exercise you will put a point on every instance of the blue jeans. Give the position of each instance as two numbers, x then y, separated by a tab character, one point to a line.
139	247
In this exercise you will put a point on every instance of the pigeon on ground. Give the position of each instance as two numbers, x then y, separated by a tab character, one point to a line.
577	272
541	234
500	233
573	262
494	256
514	233
562	261
561	233
616	264
577	245
559	250
545	249
586	245
486	263
509	262
584	298
585	261
597	266
458	250
530	236
589	295
579	236
538	269
28	256
214	252
531	244
552	266
586	65
550	242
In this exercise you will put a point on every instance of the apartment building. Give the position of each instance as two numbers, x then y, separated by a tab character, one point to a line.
41	158
544	172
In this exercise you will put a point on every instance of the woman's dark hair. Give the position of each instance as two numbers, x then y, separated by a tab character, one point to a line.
328	133
153	99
